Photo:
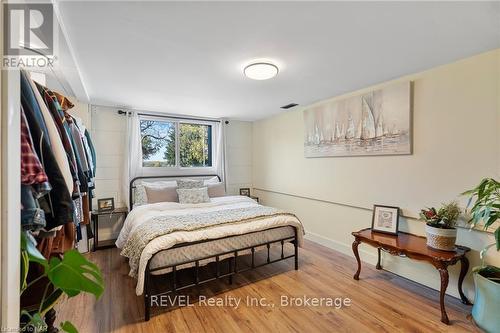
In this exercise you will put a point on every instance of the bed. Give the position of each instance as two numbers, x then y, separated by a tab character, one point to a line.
163	239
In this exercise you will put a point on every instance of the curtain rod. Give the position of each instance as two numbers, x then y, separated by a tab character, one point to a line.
172	117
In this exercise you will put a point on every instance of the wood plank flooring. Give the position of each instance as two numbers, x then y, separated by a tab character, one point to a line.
381	301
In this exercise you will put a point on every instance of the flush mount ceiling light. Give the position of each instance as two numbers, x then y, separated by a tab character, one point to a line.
261	71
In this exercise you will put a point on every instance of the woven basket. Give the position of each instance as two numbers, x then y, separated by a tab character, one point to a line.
441	239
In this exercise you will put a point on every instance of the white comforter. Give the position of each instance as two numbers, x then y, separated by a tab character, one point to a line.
142	214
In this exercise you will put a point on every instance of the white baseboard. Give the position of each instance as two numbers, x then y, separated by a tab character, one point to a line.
346	249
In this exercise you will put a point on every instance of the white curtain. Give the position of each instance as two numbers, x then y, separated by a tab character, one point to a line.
132	154
220	150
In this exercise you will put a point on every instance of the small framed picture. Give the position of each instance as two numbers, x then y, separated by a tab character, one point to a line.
245	191
385	219
106	205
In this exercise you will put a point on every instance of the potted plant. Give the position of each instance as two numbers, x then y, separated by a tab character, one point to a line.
440	226
68	275
486	208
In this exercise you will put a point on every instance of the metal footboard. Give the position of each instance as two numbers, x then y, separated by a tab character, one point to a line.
232	270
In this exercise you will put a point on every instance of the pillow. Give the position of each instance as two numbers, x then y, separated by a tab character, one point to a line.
189	183
161	194
140	197
159	183
216	190
193	195
213	180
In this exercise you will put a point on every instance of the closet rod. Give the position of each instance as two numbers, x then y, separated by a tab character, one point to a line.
172	117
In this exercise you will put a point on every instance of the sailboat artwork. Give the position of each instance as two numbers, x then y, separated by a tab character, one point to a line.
373	123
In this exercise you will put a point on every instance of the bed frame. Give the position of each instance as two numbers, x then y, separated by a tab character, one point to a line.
232	268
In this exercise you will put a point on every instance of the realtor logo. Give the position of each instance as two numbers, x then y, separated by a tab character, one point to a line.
28	29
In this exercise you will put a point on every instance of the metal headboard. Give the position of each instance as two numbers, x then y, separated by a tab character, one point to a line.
132	185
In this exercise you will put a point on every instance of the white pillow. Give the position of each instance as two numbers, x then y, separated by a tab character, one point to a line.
193	195
159	183
213	180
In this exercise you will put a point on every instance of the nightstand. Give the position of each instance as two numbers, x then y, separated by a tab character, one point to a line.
108	243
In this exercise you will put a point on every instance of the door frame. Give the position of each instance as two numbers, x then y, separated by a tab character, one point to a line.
10	196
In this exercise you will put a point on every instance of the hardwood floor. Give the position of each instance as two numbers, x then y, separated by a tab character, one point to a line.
381	301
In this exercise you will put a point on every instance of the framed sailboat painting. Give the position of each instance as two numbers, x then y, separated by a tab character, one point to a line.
374	123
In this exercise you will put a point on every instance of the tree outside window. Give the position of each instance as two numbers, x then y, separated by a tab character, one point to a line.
195	145
158	140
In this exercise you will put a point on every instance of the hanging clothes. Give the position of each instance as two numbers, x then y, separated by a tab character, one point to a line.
79	153
55	137
64	102
51	100
57	204
62	126
57	169
62	241
34	182
88	154
32	172
92	152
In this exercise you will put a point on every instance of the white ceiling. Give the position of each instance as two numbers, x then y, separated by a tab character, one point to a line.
187	58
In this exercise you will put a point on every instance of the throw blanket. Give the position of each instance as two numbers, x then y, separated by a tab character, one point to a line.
162	225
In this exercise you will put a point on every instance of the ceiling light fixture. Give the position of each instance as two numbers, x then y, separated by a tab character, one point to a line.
261	71
289	106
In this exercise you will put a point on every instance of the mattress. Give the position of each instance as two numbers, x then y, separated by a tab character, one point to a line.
175	256
224	237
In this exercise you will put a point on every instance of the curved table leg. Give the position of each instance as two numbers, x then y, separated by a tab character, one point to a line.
378	261
464	267
443	272
356	254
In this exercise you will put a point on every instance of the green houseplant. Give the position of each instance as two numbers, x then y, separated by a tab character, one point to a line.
485	201
68	275
440	226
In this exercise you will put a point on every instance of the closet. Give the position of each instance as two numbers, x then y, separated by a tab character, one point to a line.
58	164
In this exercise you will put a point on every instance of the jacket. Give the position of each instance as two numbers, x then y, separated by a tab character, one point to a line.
55	138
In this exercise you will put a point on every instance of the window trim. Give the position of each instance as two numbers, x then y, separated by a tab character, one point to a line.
177	121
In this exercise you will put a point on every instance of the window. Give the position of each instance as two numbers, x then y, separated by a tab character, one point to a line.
195	145
171	143
158	143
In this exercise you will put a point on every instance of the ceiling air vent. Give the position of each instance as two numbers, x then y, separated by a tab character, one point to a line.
288	106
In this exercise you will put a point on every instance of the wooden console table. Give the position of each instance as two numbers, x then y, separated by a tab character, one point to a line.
415	247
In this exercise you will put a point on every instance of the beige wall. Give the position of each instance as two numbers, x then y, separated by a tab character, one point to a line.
456	143
109	137
238	155
82	111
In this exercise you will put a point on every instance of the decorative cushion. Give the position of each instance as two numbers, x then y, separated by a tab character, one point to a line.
216	190
140	197
193	195
189	183
161	194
